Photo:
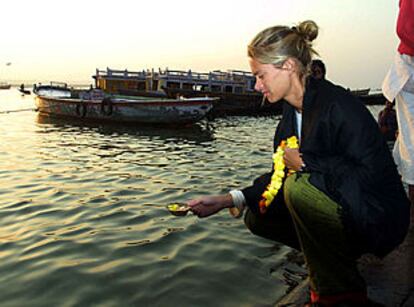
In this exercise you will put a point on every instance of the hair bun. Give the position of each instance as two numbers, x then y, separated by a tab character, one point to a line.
308	29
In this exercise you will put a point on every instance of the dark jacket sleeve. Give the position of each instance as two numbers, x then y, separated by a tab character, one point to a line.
253	193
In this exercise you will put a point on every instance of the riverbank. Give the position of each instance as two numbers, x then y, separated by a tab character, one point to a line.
390	280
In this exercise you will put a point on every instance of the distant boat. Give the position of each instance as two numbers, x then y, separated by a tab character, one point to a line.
361	92
95	105
4	86
23	90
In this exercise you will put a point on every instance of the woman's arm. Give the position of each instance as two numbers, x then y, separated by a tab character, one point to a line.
209	205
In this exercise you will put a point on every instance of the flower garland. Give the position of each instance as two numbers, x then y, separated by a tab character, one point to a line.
278	173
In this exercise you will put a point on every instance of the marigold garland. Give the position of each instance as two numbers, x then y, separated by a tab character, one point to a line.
278	173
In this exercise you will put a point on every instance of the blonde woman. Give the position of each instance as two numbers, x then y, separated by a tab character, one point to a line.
334	191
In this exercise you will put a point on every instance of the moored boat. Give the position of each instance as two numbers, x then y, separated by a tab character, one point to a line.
232	103
94	105
5	86
54	89
235	88
361	92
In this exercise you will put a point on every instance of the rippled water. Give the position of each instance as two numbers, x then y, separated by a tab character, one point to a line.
83	219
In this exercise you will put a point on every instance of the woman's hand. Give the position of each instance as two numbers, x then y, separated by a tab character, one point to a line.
292	159
209	205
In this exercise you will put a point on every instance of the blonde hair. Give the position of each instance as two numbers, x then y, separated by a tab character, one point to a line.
276	44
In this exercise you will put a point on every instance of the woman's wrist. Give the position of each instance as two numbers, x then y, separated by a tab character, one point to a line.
238	202
228	201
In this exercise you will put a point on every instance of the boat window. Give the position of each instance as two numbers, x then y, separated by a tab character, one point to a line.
173	85
216	88
228	89
155	85
141	86
238	89
131	84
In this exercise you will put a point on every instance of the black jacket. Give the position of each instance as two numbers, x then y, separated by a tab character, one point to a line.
347	159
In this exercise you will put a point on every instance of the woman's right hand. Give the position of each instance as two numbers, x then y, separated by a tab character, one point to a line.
209	205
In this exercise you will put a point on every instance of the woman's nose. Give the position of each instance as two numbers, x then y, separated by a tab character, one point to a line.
258	86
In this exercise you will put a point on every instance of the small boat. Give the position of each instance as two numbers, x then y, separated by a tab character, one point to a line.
5	86
23	90
95	105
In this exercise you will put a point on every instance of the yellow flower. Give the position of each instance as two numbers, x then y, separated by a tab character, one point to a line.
292	142
278	174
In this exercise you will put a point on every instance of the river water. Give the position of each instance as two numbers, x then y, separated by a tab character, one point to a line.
83	219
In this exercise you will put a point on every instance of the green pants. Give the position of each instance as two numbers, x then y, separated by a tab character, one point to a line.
310	221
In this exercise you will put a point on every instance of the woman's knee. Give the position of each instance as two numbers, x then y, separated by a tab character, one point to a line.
259	225
252	222
276	229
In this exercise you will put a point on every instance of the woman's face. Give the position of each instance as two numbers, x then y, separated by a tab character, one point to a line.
273	82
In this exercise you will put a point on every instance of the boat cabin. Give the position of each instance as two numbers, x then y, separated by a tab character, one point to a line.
232	81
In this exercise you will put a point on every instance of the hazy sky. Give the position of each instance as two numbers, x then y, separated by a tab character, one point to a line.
52	40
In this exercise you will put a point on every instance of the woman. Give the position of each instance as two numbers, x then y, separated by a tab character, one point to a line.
334	191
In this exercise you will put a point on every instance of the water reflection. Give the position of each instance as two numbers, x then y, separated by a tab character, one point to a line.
197	133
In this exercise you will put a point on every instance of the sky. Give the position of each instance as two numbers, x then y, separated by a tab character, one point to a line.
52	40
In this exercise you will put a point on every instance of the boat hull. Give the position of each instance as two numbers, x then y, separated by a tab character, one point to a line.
231	103
149	111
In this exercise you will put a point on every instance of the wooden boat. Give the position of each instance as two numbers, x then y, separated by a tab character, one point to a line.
55	89
5	86
232	103
94	105
235	88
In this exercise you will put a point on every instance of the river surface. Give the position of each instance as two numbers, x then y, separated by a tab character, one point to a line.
83	219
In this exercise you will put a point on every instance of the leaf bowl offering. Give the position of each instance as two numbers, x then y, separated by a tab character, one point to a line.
178	209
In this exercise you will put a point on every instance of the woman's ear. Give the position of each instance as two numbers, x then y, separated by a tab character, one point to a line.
290	65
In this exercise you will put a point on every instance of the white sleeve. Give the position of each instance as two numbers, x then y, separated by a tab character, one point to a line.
239	202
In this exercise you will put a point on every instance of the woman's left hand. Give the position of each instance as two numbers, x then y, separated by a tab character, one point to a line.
292	159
